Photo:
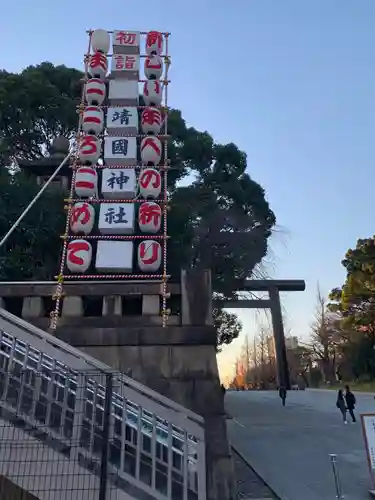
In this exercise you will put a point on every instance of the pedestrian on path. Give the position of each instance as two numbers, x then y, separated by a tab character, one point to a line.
282	394
350	402
341	405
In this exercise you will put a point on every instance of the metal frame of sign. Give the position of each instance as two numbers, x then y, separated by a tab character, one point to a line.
365	437
161	275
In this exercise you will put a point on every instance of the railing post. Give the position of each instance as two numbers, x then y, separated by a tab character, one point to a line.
105	449
339	494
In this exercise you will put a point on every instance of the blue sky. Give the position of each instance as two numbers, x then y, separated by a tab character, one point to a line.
291	82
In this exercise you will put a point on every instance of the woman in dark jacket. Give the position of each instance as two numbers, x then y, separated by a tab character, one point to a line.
350	402
341	405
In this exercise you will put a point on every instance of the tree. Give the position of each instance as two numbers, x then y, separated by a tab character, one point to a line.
299	361
37	105
220	221
227	325
324	338
32	250
355	300
243	367
355	304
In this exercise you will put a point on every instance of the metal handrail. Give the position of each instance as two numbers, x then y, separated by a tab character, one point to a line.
94	364
154	418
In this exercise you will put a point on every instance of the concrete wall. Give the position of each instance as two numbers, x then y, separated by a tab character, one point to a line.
178	361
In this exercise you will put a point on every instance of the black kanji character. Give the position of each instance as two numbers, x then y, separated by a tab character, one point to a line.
111	217
117	178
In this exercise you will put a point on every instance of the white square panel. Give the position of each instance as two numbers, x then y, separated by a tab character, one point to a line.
116	218
118	184
114	256
120	150
123	92
122	119
126	42
125	66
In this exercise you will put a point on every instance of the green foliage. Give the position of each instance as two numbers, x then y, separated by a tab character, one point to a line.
227	325
32	251
36	106
355	300
220	220
355	303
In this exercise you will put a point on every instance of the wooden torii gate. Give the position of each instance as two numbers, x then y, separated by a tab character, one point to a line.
273	287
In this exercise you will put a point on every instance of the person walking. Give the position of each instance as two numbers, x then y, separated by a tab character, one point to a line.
350	402
341	405
282	394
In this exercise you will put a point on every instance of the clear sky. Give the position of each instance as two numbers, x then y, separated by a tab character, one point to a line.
291	82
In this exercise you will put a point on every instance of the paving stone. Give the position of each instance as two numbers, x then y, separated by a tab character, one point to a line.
249	485
290	447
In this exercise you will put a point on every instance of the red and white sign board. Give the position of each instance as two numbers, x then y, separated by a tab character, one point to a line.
78	256
93	120
125	66
82	218
149	217
114	256
126	42
152	93
149	183
151	150
154	43
95	91
86	182
149	256
123	92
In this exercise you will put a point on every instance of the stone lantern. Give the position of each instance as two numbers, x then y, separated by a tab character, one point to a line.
43	168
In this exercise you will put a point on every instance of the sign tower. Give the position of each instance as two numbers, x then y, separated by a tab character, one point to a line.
116	227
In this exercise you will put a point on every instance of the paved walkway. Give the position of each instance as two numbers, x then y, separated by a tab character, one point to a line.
289	447
249	484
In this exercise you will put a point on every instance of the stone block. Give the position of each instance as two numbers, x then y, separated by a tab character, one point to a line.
112	306
125	360
72	306
156	361
32	307
195	361
221	484
151	305
216	435
208	397
182	392
196	297
123	331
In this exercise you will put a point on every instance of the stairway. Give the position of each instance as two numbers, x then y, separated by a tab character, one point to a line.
71	429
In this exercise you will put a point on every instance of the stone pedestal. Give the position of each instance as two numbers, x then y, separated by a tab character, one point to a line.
178	362
72	307
32	307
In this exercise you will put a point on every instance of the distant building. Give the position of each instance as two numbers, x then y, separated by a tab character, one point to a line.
291	342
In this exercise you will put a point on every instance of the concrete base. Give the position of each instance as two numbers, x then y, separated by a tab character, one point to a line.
180	363
32	307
